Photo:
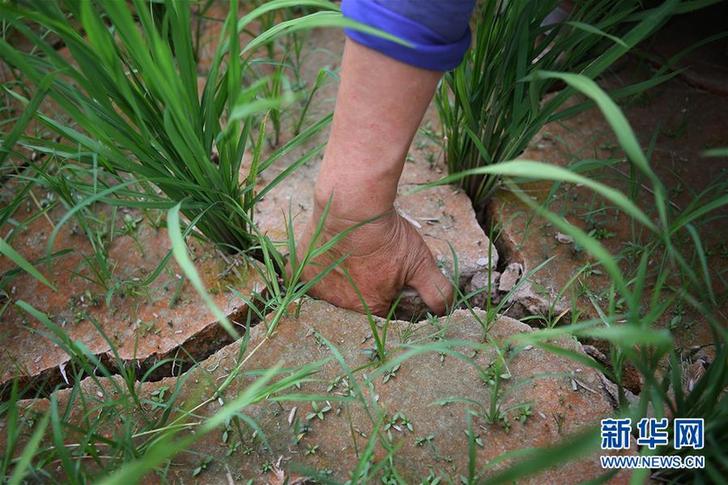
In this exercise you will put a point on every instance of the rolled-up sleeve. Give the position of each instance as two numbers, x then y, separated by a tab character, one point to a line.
437	30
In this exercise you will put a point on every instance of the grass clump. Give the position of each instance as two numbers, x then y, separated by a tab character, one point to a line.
151	429
667	269
495	102
129	82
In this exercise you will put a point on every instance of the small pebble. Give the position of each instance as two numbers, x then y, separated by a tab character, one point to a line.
563	238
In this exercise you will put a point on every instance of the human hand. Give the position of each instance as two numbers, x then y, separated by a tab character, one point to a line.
375	120
382	256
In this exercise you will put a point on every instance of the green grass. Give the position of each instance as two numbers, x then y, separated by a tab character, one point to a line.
683	277
494	103
131	89
668	267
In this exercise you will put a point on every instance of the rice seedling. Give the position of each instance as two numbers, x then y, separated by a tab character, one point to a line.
10	253
7	169
492	105
321	79
631	328
131	88
152	429
146	433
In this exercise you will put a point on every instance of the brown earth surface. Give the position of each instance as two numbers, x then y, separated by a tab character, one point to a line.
562	397
690	122
681	43
686	122
146	324
431	437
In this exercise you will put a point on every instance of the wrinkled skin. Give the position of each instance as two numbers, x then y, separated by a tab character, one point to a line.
382	256
379	105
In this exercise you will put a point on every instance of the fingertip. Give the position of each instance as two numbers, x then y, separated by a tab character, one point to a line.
433	287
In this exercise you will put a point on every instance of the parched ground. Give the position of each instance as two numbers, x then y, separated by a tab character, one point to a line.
418	406
681	119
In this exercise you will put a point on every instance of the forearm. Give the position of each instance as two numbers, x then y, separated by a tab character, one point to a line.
382	97
380	104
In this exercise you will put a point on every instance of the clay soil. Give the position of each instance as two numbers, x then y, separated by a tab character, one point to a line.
168	321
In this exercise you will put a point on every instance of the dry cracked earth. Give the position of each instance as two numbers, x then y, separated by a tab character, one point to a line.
421	405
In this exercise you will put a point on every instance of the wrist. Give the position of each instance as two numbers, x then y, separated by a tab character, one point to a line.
355	197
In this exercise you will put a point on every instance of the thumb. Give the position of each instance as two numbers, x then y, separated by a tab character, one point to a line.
433	287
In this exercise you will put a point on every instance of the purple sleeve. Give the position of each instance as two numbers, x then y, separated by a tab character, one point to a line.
437	29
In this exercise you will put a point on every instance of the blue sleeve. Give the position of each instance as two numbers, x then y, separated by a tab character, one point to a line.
437	29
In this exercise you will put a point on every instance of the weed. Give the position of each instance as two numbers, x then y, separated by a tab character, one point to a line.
398	422
202	466
318	412
390	374
423	440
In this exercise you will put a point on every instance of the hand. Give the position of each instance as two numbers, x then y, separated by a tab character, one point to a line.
382	256
379	105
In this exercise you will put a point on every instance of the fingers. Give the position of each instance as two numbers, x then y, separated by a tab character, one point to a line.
369	279
434	288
